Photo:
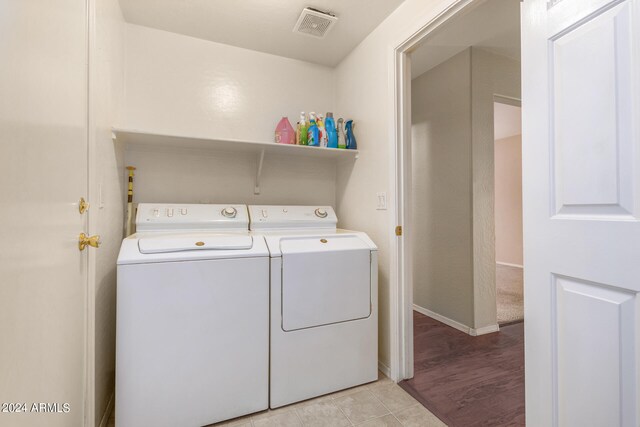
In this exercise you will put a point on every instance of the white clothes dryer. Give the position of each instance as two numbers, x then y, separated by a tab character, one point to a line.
192	333
324	302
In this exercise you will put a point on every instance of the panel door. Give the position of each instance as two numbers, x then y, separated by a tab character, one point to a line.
581	164
43	156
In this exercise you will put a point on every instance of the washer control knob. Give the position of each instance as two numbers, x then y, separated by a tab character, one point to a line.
321	213
229	212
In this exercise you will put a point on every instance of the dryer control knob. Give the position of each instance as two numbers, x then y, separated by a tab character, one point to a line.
321	213
229	212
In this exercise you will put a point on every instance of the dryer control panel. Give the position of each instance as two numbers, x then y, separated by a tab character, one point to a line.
292	217
168	217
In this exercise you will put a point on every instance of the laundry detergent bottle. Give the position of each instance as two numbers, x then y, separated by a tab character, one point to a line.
285	134
351	138
312	133
303	128
332	132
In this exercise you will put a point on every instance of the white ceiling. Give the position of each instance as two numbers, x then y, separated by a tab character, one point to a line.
507	120
264	25
493	25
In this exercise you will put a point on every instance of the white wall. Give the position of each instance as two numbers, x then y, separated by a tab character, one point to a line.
186	86
181	85
201	176
441	189
107	193
508	195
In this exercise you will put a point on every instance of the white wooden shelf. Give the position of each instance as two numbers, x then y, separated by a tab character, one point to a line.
136	138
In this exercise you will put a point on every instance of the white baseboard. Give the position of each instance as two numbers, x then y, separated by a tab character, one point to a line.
484	330
510	265
440	318
384	369
455	324
107	412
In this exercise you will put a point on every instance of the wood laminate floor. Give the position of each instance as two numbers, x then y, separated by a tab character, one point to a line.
469	381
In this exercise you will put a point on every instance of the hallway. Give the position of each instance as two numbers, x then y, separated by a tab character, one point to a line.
469	381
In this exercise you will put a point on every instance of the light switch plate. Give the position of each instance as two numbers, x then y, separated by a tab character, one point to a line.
381	201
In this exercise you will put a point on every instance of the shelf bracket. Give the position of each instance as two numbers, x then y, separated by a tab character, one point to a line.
256	189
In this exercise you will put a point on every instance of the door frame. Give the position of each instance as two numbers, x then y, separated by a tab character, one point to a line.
92	217
401	292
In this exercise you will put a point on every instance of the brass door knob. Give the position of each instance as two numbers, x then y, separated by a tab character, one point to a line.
84	241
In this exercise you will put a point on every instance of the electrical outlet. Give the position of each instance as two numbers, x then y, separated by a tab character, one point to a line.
382	201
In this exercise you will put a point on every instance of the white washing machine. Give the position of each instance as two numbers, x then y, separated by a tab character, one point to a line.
192	318
324	302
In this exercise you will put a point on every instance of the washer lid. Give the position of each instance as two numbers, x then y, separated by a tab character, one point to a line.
194	242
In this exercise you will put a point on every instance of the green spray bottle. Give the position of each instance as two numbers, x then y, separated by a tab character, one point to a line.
302	130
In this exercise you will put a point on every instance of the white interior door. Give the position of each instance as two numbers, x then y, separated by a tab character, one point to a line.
581	154
43	157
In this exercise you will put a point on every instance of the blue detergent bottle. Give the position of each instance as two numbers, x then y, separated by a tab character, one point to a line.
351	138
313	136
332	132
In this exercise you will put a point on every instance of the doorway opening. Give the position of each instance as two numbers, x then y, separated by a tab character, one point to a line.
455	79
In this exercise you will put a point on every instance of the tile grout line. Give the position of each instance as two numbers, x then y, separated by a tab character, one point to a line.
383	405
375	418
391	412
342	412
333	401
378	399
295	411
396	418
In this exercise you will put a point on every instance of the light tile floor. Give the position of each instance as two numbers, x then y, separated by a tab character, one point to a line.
379	404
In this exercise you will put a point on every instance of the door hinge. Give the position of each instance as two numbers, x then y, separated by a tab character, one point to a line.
398	230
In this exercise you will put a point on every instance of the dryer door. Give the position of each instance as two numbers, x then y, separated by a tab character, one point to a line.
325	279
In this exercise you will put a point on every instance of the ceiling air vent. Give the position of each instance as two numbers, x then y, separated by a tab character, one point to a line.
315	23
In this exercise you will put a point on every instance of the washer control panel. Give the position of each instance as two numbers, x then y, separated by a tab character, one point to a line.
291	217
167	217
